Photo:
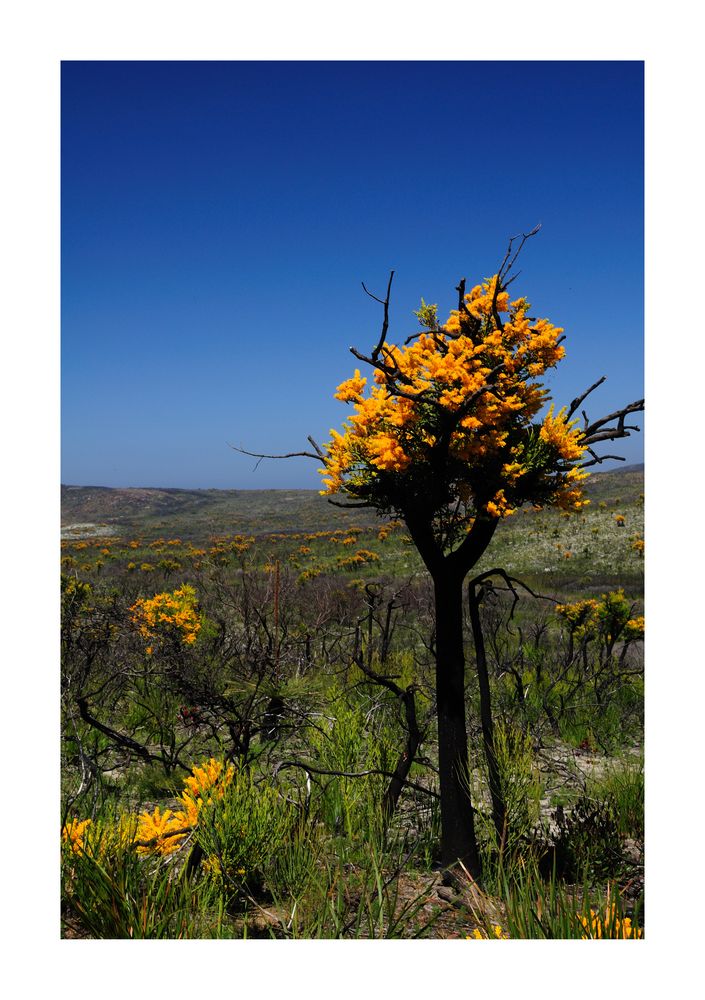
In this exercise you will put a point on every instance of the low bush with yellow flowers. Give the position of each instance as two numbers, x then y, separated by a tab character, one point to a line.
168	615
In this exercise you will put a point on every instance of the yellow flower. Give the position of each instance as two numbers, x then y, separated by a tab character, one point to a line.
609	925
482	935
460	398
167	613
160	832
74	833
351	390
212	775
562	436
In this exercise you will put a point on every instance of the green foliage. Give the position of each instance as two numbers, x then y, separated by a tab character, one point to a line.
108	891
333	870
521	784
358	895
294	866
242	830
622	786
352	743
587	843
545	908
427	315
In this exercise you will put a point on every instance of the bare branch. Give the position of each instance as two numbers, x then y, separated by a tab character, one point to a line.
352	774
460	289
599	459
504	271
385	324
576	402
380	679
380	365
611	434
291	454
317	448
510	581
495	310
348	506
124	741
593	433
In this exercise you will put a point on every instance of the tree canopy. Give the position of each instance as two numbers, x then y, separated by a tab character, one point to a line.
447	432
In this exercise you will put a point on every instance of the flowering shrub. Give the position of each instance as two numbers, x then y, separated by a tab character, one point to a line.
165	832
85	837
608	617
168	614
159	832
212	777
242	830
460	398
361	557
579	617
634	629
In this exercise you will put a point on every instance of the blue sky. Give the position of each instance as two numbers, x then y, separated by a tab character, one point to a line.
218	219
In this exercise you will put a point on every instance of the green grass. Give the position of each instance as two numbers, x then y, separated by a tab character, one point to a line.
291	591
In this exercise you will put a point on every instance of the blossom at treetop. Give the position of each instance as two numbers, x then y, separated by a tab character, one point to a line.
450	419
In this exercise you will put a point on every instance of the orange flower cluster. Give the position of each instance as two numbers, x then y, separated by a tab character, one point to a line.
161	831
167	613
483	935
361	557
461	398
610	616
609	925
74	834
165	832
580	617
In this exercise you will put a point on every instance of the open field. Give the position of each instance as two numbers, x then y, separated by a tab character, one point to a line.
290	643
596	548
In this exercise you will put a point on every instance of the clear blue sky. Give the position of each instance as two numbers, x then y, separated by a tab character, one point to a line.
218	218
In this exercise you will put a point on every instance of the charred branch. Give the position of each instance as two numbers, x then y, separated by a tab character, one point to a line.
126	742
385	324
349	506
511	582
460	289
414	735
597	430
310	769
509	261
599	459
316	447
579	399
593	431
291	454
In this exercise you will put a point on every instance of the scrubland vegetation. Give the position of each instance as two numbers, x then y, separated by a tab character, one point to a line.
279	734
249	735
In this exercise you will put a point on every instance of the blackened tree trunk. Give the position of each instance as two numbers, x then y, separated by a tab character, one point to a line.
458	840
499	809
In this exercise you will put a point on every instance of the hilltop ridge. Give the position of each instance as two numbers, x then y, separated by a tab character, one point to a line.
188	513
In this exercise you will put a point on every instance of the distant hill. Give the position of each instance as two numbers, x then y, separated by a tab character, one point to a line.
153	512
150	512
